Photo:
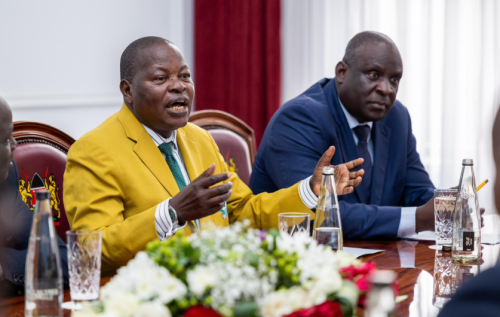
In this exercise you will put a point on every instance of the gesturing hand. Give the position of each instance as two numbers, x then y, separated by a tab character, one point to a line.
198	200
344	179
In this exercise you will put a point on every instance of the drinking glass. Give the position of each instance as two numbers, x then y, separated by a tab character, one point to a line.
84	264
444	205
293	223
443	286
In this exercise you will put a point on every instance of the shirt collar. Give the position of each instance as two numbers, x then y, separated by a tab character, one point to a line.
158	139
353	122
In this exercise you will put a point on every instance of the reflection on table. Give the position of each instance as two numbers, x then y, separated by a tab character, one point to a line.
428	277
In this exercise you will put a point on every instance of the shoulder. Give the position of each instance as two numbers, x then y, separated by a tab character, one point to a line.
108	134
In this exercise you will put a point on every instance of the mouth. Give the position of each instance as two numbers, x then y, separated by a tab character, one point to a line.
377	105
178	105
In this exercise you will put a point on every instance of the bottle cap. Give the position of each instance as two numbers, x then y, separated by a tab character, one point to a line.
468	162
383	277
42	194
328	170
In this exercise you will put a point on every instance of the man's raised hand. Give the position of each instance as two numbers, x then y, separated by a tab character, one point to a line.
344	178
198	199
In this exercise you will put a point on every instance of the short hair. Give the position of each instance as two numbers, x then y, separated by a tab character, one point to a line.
361	39
129	55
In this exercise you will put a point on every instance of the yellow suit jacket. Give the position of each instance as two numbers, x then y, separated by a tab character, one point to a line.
116	177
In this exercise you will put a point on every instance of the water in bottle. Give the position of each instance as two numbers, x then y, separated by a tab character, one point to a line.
466	243
43	276
327	227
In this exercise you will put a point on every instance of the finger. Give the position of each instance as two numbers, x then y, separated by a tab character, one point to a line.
353	175
326	158
220	199
208	172
347	190
354	163
354	182
218	190
214	179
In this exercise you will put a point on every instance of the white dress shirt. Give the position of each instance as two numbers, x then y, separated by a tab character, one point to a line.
163	222
407	222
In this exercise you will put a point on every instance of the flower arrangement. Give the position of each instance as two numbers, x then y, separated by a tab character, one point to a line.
234	271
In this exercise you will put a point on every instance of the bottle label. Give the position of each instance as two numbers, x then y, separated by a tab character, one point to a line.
468	240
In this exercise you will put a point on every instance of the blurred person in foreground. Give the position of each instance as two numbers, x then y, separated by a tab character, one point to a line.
481	295
146	173
15	216
358	113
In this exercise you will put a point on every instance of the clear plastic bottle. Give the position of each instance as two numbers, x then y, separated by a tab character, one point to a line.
43	277
327	227
466	243
381	296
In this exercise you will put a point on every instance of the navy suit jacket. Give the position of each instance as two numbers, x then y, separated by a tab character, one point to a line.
15	227
303	129
478	297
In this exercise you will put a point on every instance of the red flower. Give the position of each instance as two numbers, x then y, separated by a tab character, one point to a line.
352	272
327	309
362	283
198	311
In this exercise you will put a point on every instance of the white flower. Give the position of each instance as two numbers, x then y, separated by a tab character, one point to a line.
284	302
276	304
122	305
200	279
155	308
147	281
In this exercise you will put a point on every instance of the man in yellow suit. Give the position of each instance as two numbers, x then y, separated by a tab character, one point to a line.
146	172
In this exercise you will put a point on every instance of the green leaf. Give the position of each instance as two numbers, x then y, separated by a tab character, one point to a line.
245	309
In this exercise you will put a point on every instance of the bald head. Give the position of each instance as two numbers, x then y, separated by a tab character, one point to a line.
360	40
496	156
129	59
7	142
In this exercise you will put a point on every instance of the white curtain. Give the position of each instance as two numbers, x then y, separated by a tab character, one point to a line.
451	80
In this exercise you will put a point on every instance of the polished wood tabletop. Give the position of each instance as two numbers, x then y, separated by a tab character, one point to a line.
414	262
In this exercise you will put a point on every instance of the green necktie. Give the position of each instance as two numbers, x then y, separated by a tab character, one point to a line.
166	149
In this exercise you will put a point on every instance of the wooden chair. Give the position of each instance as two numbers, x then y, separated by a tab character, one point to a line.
41	160
235	139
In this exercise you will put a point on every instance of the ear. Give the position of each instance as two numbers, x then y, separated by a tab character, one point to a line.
340	71
126	89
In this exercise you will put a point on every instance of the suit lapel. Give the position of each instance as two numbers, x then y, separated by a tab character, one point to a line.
147	150
381	137
194	165
348	147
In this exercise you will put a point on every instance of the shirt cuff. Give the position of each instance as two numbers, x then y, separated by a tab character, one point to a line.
163	222
407	222
307	195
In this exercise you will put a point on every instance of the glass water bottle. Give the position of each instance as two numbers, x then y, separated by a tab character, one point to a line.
466	244
327	227
381	296
43	276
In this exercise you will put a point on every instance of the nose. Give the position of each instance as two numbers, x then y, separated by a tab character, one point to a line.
384	87
176	85
13	144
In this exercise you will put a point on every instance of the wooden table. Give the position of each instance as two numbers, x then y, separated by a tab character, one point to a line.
413	262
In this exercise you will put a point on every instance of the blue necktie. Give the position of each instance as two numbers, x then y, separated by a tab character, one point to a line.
166	149
362	132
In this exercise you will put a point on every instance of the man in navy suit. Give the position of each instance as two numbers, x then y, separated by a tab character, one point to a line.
15	216
358	113
480	296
